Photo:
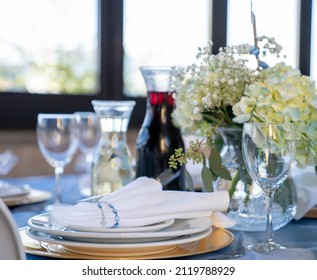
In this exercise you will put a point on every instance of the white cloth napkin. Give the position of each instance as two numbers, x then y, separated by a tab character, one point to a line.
306	184
143	202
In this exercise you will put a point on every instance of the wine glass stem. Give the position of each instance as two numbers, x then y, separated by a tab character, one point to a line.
269	225
58	173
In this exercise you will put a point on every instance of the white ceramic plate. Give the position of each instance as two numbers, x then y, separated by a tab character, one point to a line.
110	249
177	229
33	196
218	239
9	190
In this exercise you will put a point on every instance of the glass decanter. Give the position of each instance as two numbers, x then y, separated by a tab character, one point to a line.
112	166
158	138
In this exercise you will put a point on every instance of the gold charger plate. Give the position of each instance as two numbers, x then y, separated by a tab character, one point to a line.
218	239
32	197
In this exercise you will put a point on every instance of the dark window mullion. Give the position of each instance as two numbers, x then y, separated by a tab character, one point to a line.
111	49
305	36
219	24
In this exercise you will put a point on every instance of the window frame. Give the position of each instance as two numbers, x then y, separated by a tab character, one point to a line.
19	110
305	36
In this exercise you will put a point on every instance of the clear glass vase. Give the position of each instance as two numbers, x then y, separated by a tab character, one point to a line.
112	165
247	204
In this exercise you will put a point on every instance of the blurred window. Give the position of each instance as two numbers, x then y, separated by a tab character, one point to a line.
49	46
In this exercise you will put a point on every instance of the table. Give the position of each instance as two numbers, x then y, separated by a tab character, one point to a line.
300	237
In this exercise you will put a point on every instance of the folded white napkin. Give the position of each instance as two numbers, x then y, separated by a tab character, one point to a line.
140	203
306	184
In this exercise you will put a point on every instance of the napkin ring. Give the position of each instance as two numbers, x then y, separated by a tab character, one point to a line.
103	217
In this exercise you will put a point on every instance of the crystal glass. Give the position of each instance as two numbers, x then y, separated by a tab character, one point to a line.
112	166
268	152
247	204
58	143
87	132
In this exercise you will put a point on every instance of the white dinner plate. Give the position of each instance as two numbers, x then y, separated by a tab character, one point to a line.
33	196
111	249
177	229
9	190
42	222
218	239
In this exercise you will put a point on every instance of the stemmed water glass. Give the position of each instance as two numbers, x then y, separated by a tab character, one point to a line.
87	132
58	143
268	152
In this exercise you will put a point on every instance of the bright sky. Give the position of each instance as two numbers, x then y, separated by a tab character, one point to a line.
37	25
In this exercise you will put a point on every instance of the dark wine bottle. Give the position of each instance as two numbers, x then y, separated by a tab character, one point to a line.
158	138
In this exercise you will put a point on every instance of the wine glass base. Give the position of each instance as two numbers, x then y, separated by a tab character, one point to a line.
265	247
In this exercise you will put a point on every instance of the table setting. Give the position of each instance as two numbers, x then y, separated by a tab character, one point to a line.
243	188
17	194
142	218
118	225
299	235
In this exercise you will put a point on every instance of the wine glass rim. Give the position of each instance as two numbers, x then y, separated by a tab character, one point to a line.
113	102
85	113
268	123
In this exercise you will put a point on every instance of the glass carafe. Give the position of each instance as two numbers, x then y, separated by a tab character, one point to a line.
158	137
112	166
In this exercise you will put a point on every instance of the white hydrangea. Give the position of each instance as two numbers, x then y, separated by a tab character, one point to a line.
284	95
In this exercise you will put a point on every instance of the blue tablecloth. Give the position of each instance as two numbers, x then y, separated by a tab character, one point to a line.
300	237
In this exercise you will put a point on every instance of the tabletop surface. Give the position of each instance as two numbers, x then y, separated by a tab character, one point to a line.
299	237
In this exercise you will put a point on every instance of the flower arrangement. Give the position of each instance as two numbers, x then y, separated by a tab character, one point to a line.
282	94
233	87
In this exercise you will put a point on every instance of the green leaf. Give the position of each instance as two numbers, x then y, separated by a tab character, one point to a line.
214	175
189	181
215	164
206	176
218	142
234	183
208	117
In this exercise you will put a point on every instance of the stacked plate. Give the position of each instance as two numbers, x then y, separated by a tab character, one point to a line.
13	195
8	190
118	242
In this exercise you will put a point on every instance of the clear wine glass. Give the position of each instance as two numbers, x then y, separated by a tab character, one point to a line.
57	142
87	132
268	152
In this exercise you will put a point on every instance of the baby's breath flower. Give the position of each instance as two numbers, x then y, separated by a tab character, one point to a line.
196	111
